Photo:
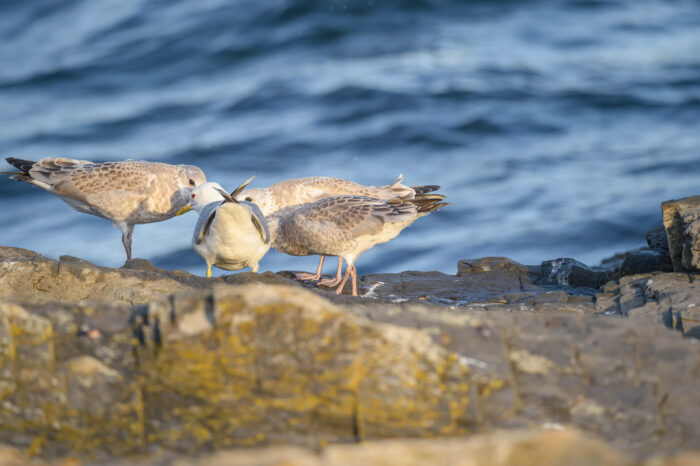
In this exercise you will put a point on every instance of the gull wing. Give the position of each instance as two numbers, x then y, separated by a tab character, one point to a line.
206	218
351	216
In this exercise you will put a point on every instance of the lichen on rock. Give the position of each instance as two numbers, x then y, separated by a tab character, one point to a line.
110	363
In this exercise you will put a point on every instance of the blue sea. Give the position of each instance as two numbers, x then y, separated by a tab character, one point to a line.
555	128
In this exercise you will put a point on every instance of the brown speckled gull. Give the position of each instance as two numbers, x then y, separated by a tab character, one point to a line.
282	199
347	226
125	193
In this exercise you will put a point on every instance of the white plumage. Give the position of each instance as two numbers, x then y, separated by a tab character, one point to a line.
229	234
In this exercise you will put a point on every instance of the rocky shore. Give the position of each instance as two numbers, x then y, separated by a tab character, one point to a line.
554	363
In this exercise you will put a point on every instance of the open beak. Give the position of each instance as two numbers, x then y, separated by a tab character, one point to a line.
185	209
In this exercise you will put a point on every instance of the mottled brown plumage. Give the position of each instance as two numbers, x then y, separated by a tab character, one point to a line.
126	193
346	226
284	198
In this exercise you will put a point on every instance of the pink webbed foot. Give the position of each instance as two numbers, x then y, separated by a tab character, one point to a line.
306	277
331	282
311	277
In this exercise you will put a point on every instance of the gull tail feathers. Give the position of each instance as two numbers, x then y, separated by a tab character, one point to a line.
23	166
396	189
47	172
426	203
428	188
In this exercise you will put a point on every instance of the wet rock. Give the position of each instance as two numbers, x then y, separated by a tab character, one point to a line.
498	265
656	238
490	280
613	264
638	261
682	228
439	288
567	272
646	261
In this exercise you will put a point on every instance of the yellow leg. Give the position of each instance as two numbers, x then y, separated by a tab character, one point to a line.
208	271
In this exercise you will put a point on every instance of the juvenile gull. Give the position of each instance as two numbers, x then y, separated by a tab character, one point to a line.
125	193
282	199
347	226
229	234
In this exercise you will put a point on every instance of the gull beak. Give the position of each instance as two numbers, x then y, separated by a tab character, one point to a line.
185	209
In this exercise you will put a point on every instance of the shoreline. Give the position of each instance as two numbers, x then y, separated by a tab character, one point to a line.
105	364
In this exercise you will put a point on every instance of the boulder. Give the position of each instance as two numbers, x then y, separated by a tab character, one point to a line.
656	238
489	280
28	277
31	278
243	365
643	260
567	272
492	265
655	297
646	261
108	363
682	228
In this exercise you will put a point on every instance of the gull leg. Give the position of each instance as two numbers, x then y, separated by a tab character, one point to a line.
345	279
127	230
331	282
208	270
353	276
308	276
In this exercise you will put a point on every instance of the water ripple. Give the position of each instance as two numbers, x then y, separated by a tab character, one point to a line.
555	127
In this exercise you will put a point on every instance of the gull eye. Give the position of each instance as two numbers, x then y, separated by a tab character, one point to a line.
192	183
193	195
249	199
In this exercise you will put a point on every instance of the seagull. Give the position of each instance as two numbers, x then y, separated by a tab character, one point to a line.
347	226
126	193
281	199
229	234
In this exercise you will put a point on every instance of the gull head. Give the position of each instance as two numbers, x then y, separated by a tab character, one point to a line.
203	195
191	176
